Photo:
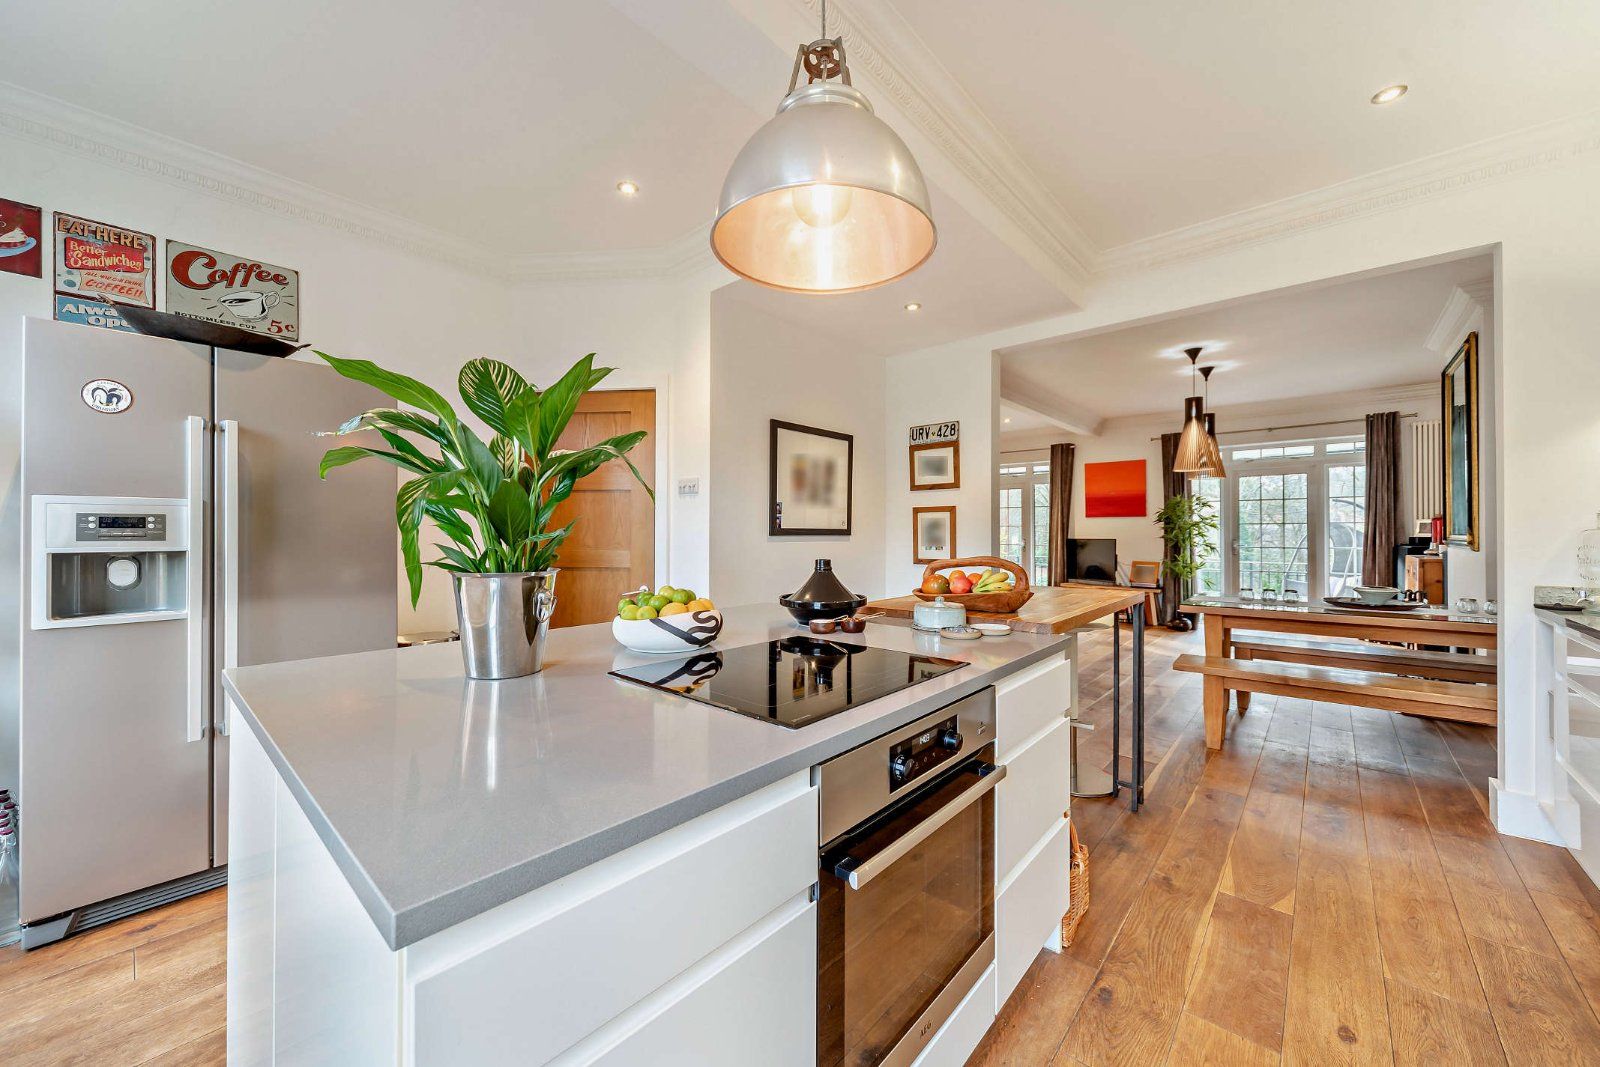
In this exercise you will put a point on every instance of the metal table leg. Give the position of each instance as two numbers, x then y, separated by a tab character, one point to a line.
1135	781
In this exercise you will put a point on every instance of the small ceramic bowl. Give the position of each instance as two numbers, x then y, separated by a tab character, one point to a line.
675	633
1376	594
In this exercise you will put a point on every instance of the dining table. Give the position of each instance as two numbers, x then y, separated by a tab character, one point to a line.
1415	625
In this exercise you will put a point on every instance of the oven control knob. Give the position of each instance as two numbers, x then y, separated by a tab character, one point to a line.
950	739
900	767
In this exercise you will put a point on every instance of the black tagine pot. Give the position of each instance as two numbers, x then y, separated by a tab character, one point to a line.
822	597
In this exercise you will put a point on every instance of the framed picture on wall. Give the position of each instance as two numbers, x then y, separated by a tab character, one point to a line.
1459	417
1114	490
936	465
809	481
933	534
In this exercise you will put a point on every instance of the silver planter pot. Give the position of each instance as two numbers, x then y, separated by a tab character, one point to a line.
504	619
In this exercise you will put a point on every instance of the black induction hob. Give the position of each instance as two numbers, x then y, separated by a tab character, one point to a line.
793	681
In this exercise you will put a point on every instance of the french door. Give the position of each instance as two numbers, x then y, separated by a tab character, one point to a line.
1292	520
1024	517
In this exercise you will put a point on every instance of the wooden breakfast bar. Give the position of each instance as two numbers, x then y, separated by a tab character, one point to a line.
1446	685
1062	609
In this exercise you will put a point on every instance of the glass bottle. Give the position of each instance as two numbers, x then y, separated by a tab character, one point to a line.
1589	559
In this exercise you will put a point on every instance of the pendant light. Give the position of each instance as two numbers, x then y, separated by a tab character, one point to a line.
824	198
1191	457
1214	466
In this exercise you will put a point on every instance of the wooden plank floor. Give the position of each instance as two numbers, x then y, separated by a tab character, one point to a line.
1327	888
148	989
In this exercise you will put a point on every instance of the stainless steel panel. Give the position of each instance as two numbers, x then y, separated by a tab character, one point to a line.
115	797
316	571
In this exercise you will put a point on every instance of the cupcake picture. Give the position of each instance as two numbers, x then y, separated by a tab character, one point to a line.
20	226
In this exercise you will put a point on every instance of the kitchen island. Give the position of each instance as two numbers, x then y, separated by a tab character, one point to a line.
574	868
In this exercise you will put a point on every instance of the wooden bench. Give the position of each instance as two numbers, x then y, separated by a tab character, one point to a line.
1390	659
1456	701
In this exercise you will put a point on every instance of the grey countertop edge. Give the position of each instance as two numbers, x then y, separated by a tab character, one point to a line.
412	924
1589	624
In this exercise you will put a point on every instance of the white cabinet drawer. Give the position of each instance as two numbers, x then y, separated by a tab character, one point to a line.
542	971
1029	910
961	1032
1033	796
1027	701
754	1003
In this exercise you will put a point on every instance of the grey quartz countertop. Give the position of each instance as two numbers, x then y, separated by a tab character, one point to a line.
1578	620
440	798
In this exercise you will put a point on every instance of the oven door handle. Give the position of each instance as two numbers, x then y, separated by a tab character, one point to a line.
859	872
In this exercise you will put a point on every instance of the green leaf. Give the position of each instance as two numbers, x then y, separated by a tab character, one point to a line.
409	505
408	421
479	462
404	389
488	387
522	421
508	453
460	559
510	514
424	462
559	402
339	457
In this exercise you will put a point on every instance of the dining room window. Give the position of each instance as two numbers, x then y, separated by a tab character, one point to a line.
1292	517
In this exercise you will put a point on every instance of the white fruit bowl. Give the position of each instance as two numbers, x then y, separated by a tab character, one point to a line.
675	633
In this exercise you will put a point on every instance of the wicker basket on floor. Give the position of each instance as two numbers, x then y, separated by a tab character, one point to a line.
1079	881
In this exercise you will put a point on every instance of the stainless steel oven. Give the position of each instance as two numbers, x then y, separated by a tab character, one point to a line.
905	926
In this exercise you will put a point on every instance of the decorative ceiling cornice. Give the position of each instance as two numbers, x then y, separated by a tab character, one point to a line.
880	43
44	120
1464	302
1498	158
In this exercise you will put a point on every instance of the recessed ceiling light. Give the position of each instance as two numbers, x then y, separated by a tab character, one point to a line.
1388	94
628	188
1008	419
913	306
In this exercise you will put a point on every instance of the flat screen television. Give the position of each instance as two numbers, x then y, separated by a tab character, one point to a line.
1092	559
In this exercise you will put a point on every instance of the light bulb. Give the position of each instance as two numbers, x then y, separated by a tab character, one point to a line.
821	206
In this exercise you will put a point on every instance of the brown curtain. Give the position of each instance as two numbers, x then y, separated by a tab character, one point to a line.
1173	483
1062	458
1383	498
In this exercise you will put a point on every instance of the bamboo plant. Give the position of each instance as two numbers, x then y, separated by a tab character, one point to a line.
493	500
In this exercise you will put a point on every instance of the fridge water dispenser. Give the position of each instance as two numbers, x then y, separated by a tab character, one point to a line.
103	560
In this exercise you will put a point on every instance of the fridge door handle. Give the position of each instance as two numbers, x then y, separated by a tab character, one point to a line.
230	556
194	429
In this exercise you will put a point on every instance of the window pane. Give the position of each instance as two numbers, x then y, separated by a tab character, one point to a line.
1209	578
1011	524
1347	526
1272	533
1041	533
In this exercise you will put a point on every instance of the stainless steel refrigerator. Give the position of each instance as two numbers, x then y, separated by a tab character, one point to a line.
174	525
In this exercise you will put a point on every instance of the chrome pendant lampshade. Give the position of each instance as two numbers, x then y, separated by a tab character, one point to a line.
825	198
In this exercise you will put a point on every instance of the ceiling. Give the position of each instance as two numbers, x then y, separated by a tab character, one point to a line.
506	123
1144	116
1367	333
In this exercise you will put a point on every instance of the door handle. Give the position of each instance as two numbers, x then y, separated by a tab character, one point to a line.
194	431
230	555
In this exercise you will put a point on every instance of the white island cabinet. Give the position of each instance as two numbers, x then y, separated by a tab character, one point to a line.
706	928
571	868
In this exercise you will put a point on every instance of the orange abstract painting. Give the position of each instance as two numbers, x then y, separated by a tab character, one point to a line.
1114	490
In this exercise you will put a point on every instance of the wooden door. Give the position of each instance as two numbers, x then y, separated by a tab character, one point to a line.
612	548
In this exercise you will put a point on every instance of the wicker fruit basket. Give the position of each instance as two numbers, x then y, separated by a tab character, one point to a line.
991	603
1079	882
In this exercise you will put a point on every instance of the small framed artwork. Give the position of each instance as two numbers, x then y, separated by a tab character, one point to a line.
1459	402
936	465
933	534
21	231
809	481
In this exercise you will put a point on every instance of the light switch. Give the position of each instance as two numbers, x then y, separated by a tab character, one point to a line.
688	486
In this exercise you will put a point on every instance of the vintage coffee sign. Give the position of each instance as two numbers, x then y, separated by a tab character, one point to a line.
21	239
233	291
98	261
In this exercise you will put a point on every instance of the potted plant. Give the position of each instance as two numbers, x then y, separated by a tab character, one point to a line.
493	500
1188	524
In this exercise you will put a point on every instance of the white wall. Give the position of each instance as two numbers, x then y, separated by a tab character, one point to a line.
763	368
1131	438
955	381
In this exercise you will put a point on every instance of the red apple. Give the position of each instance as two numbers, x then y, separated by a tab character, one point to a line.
961	584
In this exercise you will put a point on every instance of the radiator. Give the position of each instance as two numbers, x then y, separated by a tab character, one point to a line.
1427	469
